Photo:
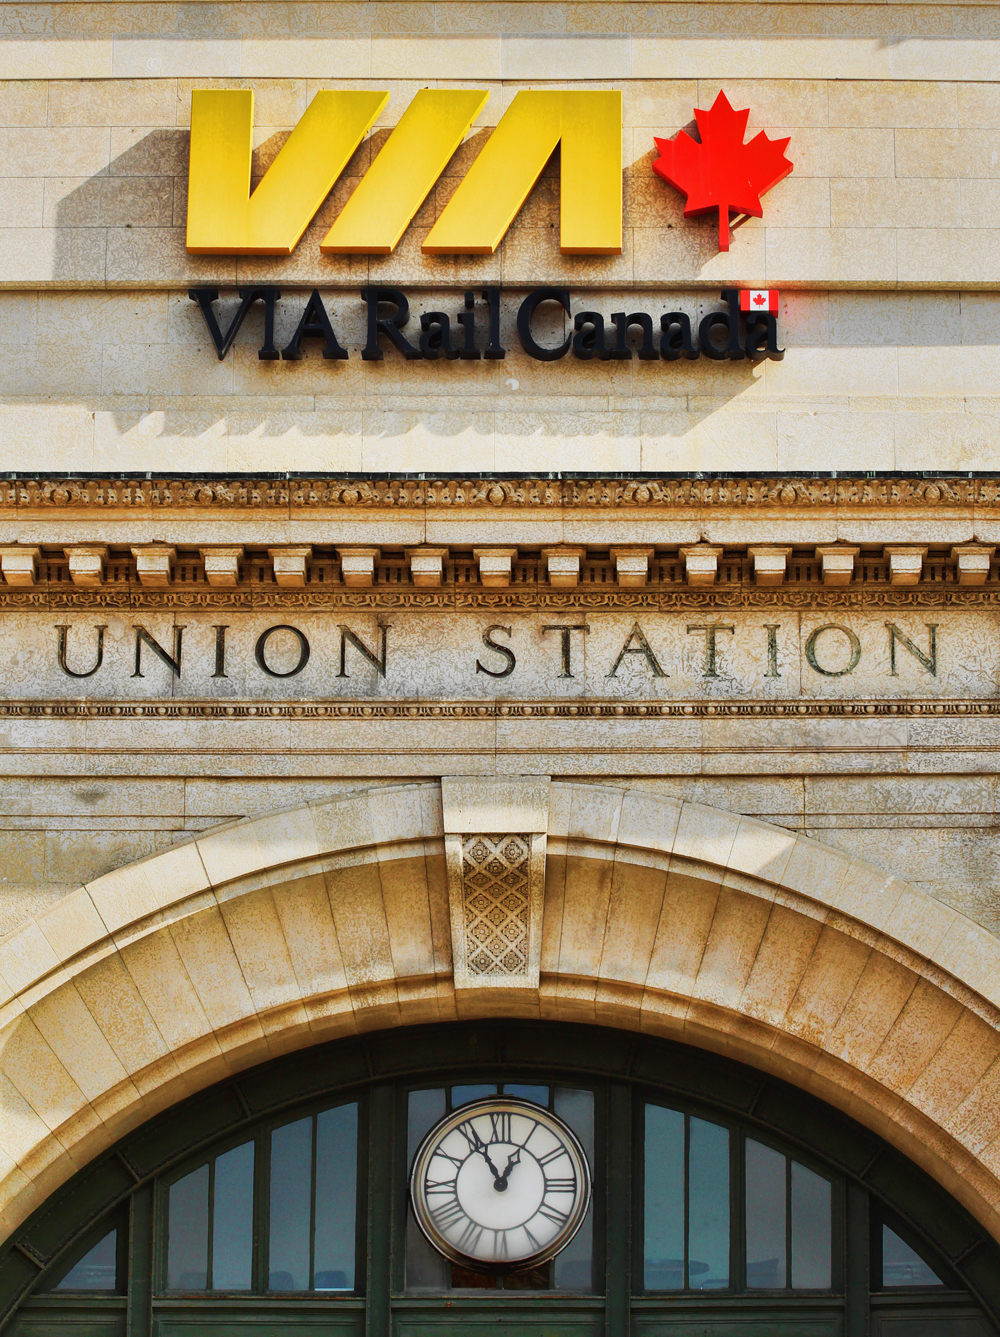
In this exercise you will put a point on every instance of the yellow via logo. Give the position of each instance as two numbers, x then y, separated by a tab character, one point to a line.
224	218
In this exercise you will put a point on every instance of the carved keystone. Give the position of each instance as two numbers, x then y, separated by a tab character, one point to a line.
631	566
290	566
357	566
973	563
19	565
905	564
563	566
494	833
426	566
701	563
494	566
155	565
838	563
86	565
222	566
769	564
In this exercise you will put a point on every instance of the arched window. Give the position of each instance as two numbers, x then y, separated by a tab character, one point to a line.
718	1200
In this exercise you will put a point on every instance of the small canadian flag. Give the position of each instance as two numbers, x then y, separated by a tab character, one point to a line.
758	299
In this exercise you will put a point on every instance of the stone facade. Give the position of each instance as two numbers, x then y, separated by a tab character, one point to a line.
696	658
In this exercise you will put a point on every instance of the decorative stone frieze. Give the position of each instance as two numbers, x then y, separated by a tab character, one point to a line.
299	496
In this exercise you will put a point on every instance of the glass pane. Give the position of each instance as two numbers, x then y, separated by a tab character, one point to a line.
461	1095
187	1232
901	1266
336	1197
291	1189
574	1268
232	1220
663	1249
423	1110
426	1270
97	1270
708	1206
812	1230
539	1094
765	1171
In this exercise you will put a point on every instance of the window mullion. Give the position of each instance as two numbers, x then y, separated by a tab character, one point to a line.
380	1161
312	1205
139	1282
788	1223
262	1211
210	1232
618	1212
857	1278
686	1278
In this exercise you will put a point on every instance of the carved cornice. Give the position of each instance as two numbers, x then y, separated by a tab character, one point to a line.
479	710
297	495
65	599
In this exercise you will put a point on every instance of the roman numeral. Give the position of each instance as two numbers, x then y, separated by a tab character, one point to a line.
499	1244
446	1186
501	1128
470	1135
456	1161
448	1214
470	1237
553	1214
560	1185
551	1156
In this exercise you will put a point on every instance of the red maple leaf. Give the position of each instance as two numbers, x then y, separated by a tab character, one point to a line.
722	172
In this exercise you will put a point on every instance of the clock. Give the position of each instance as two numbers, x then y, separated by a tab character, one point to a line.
500	1183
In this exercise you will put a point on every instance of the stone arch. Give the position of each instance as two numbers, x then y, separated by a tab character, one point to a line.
678	919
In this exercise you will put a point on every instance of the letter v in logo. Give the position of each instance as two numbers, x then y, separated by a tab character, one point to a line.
403	175
223	217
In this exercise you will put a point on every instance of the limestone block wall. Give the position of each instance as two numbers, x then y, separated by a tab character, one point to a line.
97	381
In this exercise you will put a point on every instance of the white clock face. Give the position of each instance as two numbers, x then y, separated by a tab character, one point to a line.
500	1182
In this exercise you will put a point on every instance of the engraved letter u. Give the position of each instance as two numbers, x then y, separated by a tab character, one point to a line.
62	653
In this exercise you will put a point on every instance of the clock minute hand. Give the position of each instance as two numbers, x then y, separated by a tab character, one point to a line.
481	1148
